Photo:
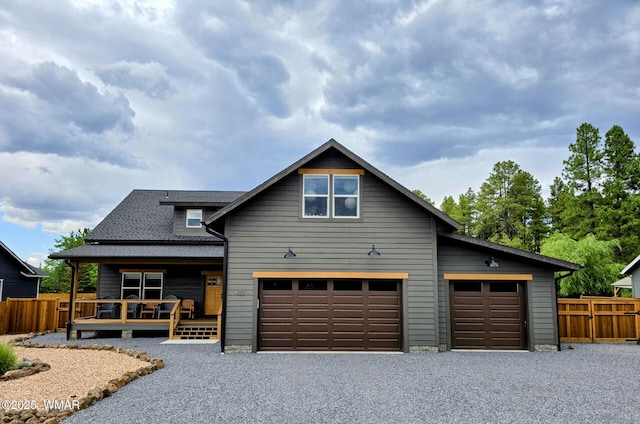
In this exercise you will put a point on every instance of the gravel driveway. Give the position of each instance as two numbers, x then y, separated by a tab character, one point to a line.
590	383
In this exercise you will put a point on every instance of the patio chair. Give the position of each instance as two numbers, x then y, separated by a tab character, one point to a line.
132	307
106	310
149	310
187	308
165	308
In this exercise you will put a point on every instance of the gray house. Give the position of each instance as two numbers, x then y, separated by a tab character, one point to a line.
633	269
332	254
329	254
17	277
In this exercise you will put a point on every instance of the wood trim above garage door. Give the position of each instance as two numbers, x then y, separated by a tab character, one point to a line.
324	274
489	277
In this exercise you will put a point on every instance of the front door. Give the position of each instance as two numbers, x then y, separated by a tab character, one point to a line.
212	293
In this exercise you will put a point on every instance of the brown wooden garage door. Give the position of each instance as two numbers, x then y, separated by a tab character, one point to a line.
487	315
329	315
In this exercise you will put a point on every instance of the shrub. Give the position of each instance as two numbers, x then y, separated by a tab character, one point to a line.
8	358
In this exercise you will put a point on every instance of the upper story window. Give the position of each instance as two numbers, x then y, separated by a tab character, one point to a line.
333	195
194	218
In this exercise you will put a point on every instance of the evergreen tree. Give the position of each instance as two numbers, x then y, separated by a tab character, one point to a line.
583	172
510	208
619	218
467	208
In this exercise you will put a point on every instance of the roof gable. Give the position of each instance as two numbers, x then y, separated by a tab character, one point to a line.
25	269
632	266
309	158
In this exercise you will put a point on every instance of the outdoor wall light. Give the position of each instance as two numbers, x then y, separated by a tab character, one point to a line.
289	254
491	263
373	251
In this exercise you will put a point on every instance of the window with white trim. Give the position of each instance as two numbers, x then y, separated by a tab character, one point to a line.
1	284
143	285
194	218
335	196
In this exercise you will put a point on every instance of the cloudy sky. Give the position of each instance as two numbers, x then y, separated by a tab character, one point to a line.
100	97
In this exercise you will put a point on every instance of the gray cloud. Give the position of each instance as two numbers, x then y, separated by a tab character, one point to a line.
229	35
222	95
65	115
150	78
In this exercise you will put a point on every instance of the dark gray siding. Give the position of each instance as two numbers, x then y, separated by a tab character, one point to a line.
183	281
180	222
262	231
14	284
541	299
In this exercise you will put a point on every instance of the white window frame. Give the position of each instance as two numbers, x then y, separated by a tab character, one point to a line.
145	288
142	287
193	214
355	196
122	287
306	196
331	196
1	287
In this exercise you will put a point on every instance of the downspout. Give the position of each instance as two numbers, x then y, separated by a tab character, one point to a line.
72	290
557	280
224	284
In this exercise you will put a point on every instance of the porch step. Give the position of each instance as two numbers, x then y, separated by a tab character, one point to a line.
196	331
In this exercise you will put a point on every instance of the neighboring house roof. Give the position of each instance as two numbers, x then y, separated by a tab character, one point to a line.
558	264
26	270
623	283
127	224
143	251
332	144
631	267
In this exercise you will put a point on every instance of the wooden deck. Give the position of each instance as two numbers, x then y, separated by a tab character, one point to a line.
132	315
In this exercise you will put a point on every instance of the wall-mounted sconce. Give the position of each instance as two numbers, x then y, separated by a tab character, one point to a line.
373	251
491	263
289	254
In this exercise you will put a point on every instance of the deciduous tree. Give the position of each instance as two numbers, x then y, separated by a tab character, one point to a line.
59	280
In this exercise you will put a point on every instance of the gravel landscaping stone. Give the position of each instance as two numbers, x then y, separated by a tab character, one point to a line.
589	383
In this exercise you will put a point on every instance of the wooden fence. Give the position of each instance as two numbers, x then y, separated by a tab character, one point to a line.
48	312
599	319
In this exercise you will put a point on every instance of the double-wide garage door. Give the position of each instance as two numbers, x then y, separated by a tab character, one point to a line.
487	315
320	314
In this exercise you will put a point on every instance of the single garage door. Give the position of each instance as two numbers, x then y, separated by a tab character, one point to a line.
323	314
488	315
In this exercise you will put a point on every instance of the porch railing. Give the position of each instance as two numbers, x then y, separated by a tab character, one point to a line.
119	310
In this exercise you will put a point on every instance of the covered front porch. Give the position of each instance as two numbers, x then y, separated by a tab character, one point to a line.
175	316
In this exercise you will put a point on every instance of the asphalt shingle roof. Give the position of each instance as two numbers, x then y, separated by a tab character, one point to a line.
147	215
143	251
558	264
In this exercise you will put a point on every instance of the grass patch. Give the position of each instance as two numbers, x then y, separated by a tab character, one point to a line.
8	358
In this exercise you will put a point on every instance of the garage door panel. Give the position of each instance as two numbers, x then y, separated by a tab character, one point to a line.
387	328
278	299
313	327
312	313
277	313
348	313
348	299
330	316
384	300
385	314
305	299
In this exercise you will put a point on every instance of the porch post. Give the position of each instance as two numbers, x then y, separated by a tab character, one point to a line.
72	297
